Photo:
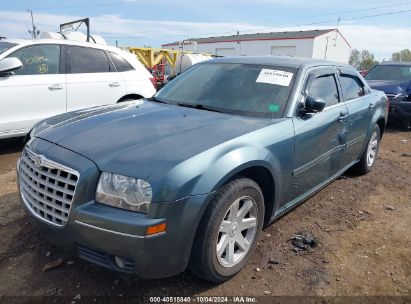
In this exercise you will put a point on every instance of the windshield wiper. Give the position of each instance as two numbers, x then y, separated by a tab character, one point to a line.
155	99
198	106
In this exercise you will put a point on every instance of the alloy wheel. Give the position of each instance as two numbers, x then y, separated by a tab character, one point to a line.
237	232
372	149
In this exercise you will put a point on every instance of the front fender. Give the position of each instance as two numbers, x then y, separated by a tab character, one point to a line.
271	147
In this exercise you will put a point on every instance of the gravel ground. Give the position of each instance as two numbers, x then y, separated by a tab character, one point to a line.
362	225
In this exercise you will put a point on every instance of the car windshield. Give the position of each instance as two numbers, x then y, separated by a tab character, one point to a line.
390	72
242	89
4	46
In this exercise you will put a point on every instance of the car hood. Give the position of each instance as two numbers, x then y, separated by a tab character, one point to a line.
391	86
135	139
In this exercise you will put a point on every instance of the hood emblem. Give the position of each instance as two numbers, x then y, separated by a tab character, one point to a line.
38	160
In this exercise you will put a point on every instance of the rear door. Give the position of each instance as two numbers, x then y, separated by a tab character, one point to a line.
319	137
359	103
92	79
34	92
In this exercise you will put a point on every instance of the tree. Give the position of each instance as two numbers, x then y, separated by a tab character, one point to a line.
404	55
363	60
355	58
367	60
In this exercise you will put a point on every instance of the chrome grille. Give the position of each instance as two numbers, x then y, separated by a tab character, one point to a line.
47	187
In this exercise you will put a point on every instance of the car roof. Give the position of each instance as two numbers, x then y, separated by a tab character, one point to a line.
22	42
283	61
395	63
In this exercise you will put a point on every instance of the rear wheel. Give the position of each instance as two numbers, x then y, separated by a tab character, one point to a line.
228	232
369	156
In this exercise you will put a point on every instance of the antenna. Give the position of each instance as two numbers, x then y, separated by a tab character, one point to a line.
34	32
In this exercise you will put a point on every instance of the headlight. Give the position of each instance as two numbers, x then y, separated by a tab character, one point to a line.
124	192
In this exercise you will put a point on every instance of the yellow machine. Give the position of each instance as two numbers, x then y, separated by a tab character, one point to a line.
155	60
151	57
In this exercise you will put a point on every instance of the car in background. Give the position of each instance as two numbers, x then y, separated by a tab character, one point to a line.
191	176
45	77
394	78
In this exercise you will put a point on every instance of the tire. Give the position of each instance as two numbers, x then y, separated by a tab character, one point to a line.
219	229
370	153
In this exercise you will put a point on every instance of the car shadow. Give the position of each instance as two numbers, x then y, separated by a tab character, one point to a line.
11	145
395	127
27	252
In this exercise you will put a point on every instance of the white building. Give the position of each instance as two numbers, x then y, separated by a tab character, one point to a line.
321	44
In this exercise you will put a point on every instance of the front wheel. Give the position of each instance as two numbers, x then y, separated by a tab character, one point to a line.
228	232
369	156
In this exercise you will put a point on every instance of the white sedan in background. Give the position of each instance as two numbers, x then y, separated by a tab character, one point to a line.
45	77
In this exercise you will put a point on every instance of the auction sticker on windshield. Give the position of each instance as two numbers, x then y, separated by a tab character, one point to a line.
275	77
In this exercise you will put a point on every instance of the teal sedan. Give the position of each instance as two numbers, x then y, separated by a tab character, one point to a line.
190	177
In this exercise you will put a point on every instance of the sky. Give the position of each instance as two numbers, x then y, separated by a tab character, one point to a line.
383	27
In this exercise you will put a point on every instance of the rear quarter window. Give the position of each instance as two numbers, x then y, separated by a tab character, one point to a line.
121	64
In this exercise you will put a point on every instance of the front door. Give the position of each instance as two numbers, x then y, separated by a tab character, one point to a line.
34	92
319	137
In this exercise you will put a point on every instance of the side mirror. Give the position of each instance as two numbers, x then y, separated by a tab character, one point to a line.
314	104
8	65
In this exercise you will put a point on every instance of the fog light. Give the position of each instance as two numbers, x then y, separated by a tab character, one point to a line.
156	229
119	262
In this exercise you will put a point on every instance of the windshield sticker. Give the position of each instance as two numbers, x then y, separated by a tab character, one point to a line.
273	107
275	77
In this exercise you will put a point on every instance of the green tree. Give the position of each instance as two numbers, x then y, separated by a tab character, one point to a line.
363	60
404	55
367	60
355	58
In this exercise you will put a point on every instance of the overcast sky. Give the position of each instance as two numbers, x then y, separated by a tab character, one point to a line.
155	22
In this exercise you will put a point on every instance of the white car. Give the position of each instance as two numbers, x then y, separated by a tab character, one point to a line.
45	77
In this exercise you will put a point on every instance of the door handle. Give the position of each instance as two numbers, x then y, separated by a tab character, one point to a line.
114	84
55	87
342	117
371	106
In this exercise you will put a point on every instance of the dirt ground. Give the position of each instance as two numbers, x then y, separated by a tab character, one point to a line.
362	225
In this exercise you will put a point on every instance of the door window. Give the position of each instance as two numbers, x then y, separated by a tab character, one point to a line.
352	87
88	60
38	59
121	64
324	87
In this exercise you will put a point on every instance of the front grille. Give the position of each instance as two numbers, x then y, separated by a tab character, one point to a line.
47	187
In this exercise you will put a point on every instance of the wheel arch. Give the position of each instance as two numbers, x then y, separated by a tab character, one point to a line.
381	124
264	179
131	96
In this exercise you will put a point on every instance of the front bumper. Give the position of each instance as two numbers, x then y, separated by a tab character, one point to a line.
115	238
400	111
